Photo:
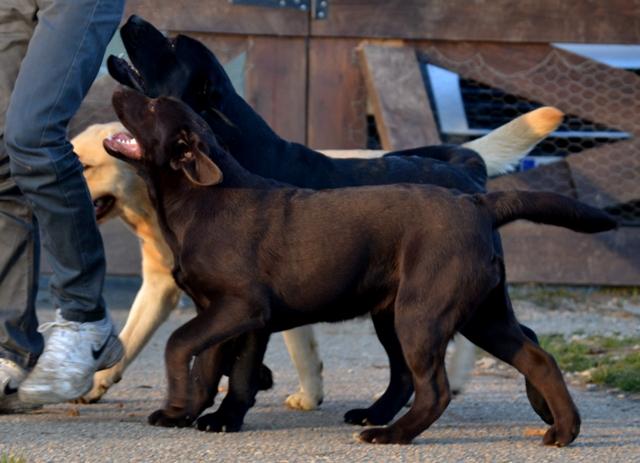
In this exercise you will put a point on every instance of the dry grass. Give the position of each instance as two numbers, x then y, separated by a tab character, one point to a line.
610	361
10	457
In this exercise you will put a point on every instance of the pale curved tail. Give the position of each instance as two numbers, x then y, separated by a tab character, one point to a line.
506	145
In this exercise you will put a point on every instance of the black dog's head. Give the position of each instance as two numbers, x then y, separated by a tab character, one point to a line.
181	67
166	135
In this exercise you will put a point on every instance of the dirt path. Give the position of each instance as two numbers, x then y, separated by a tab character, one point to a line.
490	422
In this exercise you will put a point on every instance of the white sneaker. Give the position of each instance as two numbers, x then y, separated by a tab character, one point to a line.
11	375
73	353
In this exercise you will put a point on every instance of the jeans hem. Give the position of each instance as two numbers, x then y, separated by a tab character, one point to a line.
82	316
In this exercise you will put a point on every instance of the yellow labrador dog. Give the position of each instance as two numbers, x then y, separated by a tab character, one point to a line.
118	192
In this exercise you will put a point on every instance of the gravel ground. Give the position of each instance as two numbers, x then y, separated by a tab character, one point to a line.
491	421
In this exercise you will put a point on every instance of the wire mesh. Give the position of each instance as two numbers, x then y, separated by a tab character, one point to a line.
593	161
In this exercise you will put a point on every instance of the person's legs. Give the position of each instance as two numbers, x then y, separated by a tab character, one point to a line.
19	252
62	60
20	342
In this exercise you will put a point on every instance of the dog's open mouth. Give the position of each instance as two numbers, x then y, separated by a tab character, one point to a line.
123	144
122	71
103	205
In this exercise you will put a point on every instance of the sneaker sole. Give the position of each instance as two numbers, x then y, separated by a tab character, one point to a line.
38	398
21	407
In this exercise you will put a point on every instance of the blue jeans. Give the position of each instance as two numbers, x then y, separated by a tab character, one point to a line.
43	195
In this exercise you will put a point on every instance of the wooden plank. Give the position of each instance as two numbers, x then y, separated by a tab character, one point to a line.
275	84
337	106
400	102
607	175
548	75
220	16
613	21
555	178
545	254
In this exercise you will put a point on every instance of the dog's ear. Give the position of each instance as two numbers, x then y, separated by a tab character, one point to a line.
197	166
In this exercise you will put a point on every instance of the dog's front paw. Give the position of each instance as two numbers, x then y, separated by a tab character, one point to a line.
218	422
357	416
169	418
91	397
365	417
560	438
382	436
102	381
303	401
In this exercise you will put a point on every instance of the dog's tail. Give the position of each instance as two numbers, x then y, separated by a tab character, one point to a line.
547	208
506	145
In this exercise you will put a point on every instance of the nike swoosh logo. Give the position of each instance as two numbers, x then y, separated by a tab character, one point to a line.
97	353
8	390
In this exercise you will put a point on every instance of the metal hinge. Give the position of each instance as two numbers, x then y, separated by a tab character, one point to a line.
320	7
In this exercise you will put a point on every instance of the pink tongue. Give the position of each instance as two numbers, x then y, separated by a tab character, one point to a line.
118	142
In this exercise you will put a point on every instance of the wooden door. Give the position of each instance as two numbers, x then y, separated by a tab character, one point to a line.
266	46
309	90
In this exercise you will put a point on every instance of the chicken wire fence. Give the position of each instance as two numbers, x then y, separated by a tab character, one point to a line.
486	107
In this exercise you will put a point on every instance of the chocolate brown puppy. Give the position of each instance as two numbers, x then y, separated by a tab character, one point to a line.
258	256
185	68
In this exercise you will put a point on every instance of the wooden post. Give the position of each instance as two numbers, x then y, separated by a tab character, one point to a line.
400	102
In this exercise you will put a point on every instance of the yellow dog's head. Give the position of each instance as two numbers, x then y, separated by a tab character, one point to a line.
115	188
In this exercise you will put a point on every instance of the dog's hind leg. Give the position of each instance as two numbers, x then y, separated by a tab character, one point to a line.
424	325
400	385
495	329
303	350
244	383
461	364
536	399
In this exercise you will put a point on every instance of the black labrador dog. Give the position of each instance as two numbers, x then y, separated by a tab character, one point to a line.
258	256
184	68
